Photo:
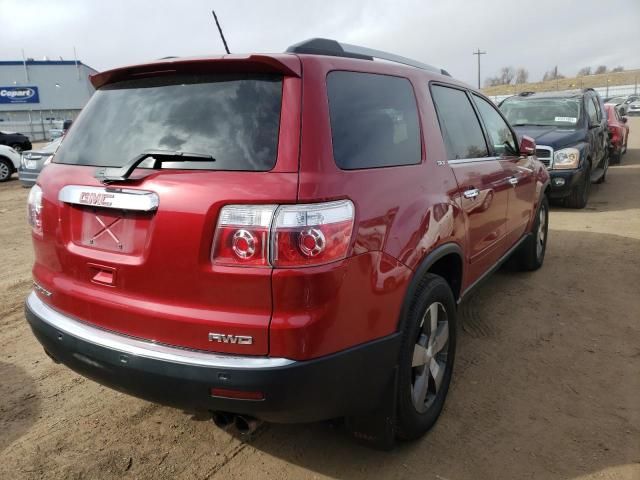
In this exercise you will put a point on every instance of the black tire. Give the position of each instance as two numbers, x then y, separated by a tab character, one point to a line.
603	178
616	158
579	197
412	423
6	169
530	256
17	147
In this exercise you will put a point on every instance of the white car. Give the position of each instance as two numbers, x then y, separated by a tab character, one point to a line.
634	108
9	162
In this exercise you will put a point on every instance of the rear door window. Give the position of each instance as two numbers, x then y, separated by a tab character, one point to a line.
233	118
461	130
374	120
592	112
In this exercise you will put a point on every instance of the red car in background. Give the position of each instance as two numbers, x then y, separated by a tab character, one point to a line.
619	133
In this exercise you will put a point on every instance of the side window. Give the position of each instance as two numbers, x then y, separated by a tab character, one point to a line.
504	143
459	124
374	120
591	110
596	100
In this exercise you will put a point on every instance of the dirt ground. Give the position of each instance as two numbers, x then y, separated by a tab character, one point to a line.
546	384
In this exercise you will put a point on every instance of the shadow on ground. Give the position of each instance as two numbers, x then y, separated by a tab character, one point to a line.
19	403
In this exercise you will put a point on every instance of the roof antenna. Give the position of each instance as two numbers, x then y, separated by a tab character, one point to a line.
215	17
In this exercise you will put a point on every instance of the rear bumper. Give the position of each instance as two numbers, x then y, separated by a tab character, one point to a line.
564	181
340	384
28	177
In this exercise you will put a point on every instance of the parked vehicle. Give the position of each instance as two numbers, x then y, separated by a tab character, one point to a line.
17	141
618	133
623	102
55	133
572	138
9	162
283	236
634	108
33	161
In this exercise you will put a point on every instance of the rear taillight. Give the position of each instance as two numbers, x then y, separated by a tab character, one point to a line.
311	234
242	235
34	209
284	236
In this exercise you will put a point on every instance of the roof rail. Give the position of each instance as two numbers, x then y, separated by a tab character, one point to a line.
326	46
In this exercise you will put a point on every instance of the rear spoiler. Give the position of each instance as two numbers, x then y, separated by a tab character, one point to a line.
281	63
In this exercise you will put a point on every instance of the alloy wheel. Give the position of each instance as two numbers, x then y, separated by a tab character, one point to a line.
542	231
4	171
430	357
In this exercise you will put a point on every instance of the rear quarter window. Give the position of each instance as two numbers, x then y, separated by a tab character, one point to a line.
374	120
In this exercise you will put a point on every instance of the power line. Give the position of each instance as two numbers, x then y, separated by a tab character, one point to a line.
215	17
478	53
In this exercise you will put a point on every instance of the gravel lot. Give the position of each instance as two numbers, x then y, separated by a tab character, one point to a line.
546	384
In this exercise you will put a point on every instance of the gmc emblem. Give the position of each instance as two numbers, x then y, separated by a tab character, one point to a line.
99	199
236	339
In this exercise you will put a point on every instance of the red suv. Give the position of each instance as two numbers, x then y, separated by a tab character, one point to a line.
283	237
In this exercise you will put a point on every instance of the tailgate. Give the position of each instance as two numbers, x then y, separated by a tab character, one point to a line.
133	254
149	274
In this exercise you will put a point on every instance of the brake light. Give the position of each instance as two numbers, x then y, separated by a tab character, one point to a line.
242	235
284	236
34	209
311	234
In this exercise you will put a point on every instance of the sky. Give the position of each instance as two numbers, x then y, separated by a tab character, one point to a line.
534	34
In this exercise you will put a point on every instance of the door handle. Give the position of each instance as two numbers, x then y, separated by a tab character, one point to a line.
513	181
472	193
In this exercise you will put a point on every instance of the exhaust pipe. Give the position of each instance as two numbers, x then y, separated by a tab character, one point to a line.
223	420
246	425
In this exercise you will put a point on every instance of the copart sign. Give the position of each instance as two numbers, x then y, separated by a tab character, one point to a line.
19	95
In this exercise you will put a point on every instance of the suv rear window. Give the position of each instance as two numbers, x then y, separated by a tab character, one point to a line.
233	118
374	120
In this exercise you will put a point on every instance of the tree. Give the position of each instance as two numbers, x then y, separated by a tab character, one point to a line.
583	72
492	82
552	74
619	68
522	75
507	74
601	69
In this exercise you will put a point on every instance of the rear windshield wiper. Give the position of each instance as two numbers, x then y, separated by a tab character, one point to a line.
121	174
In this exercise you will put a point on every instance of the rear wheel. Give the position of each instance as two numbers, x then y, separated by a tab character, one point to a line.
580	194
6	169
17	147
531	255
427	355
605	166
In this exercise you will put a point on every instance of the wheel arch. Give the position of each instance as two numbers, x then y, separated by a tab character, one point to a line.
445	261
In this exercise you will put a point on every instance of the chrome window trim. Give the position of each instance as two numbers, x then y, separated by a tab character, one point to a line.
458	161
146	348
117	198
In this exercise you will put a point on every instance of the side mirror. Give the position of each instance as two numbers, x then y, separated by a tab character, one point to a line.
527	145
625	119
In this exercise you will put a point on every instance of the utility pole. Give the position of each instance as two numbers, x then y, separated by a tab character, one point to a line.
478	53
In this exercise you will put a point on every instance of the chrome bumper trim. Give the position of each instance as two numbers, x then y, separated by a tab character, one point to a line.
144	348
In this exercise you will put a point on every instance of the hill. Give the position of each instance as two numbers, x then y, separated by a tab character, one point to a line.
629	77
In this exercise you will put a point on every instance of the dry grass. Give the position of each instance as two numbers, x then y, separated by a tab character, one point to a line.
629	77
